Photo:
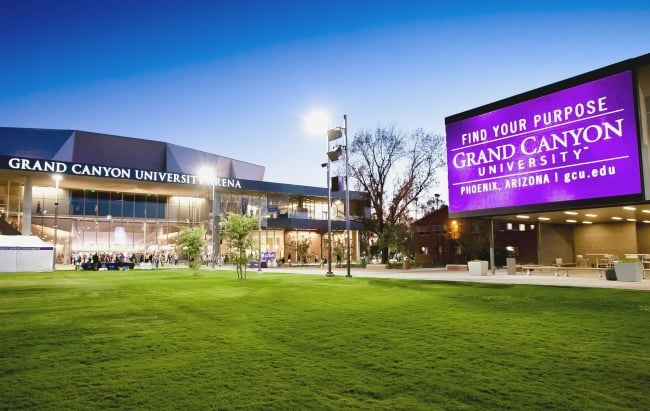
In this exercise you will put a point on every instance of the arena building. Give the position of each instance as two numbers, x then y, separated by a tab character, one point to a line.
96	193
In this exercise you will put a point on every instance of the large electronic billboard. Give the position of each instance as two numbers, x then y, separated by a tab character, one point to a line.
576	144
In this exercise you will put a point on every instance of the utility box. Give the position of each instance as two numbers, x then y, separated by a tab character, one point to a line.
511	266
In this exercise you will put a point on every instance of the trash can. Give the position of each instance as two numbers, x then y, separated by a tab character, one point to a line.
406	263
511	266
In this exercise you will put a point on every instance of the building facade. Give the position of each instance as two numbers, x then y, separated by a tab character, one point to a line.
96	193
568	163
439	240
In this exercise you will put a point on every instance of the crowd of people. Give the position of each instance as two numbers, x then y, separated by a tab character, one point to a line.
118	260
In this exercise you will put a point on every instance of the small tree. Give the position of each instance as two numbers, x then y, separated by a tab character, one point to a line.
401	233
192	241
238	228
474	238
338	246
301	244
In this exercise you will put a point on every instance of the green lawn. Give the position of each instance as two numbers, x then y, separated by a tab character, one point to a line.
166	340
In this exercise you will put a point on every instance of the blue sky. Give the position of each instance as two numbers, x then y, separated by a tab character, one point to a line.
238	78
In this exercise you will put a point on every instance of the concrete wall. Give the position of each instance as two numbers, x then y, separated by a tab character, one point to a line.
566	241
615	238
556	242
643	238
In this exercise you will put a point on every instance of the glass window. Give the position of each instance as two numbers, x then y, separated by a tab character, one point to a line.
128	205
103	207
77	202
91	206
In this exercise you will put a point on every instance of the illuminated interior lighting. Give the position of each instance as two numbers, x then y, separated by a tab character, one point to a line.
629	208
586	222
645	211
631	219
591	215
523	216
646	221
617	218
543	218
522	227
508	226
571	221
570	213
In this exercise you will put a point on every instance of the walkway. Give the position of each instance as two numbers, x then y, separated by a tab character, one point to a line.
441	274
500	277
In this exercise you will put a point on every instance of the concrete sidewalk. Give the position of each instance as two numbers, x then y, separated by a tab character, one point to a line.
441	274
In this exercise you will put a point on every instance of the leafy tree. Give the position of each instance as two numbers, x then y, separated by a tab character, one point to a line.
192	241
238	228
395	169
401	237
474	238
301	244
338	245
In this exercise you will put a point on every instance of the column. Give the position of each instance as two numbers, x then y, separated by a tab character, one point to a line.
27	207
216	234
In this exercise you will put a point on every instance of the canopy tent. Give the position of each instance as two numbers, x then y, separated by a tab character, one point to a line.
19	253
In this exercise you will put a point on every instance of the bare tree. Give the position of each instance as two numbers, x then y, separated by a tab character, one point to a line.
395	169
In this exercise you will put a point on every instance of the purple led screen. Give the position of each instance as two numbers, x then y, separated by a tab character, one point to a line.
575	144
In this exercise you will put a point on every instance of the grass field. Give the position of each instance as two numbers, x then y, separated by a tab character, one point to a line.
165	340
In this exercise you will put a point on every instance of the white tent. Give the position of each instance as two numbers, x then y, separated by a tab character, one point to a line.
20	253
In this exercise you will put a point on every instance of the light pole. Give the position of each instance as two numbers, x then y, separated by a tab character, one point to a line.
56	178
208	174
329	217
215	245
335	134
259	231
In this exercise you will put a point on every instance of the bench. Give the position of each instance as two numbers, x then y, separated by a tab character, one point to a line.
531	267
561	268
599	270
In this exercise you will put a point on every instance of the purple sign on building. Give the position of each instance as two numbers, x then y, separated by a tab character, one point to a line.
576	144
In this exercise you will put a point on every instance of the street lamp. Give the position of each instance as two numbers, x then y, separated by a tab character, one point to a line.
329	218
334	155
56	178
208	174
262	211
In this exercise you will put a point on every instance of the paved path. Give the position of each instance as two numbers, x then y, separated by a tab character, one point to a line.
441	274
